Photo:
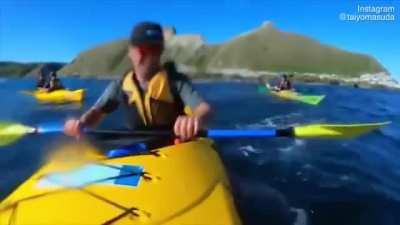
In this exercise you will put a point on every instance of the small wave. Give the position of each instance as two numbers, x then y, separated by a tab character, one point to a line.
335	181
286	149
325	179
387	133
392	192
248	149
350	108
348	179
274	121
297	143
307	166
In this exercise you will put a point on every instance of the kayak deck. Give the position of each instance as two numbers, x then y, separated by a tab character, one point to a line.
180	184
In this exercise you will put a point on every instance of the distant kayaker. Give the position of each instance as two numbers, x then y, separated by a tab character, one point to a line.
285	83
54	83
154	96
41	82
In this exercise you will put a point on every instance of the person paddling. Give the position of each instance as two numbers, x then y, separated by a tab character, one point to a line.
54	83
153	96
285	83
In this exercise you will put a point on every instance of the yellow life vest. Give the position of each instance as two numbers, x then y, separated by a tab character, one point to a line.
157	106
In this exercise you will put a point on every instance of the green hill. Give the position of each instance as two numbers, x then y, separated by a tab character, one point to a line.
107	59
264	49
23	69
268	49
16	69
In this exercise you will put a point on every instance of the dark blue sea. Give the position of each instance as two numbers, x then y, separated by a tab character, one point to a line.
339	182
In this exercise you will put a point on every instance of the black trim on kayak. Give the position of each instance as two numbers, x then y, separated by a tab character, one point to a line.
288	132
108	134
122	215
203	133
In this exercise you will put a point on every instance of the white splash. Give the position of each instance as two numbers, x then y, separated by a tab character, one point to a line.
274	121
248	149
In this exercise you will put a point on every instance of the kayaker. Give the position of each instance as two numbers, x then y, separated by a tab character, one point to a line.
285	83
154	96
41	82
54	83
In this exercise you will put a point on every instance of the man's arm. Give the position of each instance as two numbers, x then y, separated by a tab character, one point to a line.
203	111
188	126
92	117
107	103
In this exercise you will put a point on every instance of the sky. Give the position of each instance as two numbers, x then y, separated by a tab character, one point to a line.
47	30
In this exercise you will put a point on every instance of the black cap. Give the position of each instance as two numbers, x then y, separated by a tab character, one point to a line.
147	33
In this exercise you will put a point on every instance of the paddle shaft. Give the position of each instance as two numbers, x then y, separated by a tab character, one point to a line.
307	131
11	132
212	133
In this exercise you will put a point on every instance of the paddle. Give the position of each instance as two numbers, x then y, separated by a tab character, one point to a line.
11	132
262	89
40	90
26	92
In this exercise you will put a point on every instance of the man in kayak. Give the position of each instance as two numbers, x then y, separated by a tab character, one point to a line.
54	83
285	83
153	96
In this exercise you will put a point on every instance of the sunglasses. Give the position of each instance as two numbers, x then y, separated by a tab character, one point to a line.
150	49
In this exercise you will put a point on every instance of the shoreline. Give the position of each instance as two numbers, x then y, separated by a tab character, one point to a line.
306	79
365	83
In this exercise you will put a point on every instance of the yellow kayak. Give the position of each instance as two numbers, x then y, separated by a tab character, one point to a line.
59	96
179	184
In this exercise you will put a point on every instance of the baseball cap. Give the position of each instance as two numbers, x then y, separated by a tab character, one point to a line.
147	33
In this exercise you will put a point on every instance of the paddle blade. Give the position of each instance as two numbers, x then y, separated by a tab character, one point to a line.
262	89
11	132
27	92
336	130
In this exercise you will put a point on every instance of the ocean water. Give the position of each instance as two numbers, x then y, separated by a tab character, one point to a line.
353	181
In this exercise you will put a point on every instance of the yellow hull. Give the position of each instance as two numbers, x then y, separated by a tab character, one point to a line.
180	184
285	94
59	96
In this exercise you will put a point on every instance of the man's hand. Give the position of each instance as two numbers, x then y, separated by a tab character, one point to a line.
73	127
187	127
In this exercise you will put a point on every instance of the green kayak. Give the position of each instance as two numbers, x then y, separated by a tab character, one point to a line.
295	96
